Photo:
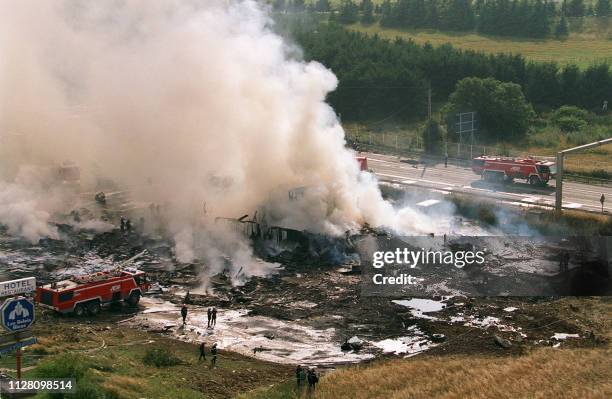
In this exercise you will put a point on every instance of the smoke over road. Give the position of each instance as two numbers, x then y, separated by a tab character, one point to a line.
181	102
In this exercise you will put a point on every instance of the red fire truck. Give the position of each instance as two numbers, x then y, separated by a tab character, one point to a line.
87	294
363	163
505	170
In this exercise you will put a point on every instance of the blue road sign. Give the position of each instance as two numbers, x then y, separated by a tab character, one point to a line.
17	345
17	314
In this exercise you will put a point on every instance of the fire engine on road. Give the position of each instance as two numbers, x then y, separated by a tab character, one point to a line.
505	170
87	294
363	163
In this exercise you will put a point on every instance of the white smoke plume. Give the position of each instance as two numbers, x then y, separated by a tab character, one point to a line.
182	102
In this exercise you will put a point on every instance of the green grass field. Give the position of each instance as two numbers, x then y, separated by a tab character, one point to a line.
582	49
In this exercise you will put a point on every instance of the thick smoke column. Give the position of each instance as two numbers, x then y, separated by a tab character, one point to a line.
181	102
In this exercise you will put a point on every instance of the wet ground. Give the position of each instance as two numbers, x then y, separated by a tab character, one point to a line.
306	319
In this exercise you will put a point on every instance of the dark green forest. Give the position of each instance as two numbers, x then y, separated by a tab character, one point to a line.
379	79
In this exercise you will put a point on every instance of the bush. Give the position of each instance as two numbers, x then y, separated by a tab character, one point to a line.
570	124
570	119
160	357
63	366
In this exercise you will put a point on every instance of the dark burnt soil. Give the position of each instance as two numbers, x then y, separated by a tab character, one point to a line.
325	298
310	292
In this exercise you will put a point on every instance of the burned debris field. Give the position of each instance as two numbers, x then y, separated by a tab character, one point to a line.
308	308
304	298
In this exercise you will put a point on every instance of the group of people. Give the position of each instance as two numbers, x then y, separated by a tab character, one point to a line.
213	353
211	313
212	317
212	321
303	375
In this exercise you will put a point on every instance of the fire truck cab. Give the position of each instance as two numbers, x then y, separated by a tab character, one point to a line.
504	170
87	294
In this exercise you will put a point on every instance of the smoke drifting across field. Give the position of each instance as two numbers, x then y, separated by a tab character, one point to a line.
182	102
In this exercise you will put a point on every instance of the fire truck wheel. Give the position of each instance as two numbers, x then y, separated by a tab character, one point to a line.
533	180
133	299
79	310
93	308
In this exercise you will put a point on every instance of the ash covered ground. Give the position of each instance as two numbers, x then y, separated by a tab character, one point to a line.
310	309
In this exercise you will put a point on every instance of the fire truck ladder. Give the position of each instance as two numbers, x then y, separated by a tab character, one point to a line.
560	157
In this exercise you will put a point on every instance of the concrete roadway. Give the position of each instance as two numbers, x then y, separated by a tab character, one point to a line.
462	180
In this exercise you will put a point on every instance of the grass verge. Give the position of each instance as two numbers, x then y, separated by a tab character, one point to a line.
544	373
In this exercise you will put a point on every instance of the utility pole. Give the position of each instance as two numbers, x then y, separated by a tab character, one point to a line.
559	177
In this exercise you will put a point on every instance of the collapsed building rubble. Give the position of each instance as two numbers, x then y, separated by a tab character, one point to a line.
281	244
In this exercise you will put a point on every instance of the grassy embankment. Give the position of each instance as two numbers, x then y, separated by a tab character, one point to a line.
545	373
109	362
546	222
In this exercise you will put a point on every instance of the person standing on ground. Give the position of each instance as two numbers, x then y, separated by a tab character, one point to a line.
209	316
184	313
300	376
312	379
214	317
213	353
202	351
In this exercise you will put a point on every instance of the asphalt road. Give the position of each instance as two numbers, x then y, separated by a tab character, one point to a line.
463	180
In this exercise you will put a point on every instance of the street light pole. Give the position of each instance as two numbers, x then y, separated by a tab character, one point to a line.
560	158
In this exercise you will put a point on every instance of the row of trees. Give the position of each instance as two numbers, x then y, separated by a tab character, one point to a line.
570	8
580	8
380	79
527	18
516	18
455	15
